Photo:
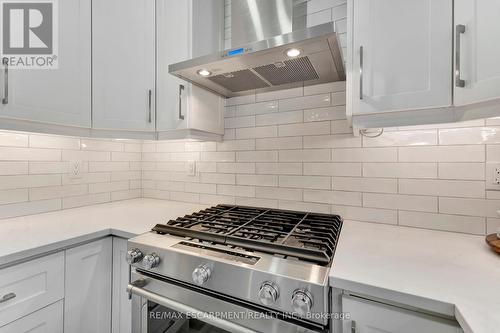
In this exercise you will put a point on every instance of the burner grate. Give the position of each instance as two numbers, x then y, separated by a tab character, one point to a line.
305	236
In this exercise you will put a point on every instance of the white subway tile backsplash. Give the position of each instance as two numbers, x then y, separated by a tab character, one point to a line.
280	94
235	168
332	169
325	88
255	132
465	171
306	155
201	188
257	156
466	224
322	114
236	190
316	128
471	207
256	109
311	101
278	168
13	196
492	225
358	184
13	139
473	135
13	168
364	214
333	197
234	145
365	155
278	193
85	200
332	141
218	156
444	188
304	206
101	145
400	170
406	138
29	208
52	192
240	122
265	203
400	201
472	153
29	154
257	180
279	118
309	182
279	143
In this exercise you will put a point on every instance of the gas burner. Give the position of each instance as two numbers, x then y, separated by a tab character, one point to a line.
305	236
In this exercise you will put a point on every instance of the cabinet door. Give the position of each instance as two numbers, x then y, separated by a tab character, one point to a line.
187	29
122	305
479	50
174	20
124	64
46	320
87	306
401	55
371	317
58	96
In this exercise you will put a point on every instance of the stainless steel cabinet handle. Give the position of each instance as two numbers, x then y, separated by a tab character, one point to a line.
181	89
459	29
361	72
149	104
7	297
5	99
353	326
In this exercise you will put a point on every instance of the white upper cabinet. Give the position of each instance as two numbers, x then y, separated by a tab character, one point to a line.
124	64
187	29
57	96
477	27
401	55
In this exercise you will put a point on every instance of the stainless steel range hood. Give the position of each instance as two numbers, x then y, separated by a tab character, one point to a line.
264	65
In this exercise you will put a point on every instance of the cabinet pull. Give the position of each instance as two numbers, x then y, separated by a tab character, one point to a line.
149	104
7	297
361	72
353	326
181	89
459	29
5	99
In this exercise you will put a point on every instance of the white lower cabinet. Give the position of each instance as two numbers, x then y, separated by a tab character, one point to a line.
87	306
46	320
370	317
122	305
30	286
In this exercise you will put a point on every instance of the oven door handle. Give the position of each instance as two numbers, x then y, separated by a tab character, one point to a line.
176	306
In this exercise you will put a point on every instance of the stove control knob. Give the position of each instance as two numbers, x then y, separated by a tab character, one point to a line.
268	293
151	261
302	302
133	256
201	274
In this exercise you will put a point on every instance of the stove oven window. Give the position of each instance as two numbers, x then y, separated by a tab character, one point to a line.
163	320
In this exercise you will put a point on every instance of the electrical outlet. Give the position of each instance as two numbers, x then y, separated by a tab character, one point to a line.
191	168
493	176
75	169
496	176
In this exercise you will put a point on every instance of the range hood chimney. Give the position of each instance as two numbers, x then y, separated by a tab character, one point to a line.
271	49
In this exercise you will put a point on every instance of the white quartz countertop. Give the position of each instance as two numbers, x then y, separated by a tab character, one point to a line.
439	271
27	236
443	272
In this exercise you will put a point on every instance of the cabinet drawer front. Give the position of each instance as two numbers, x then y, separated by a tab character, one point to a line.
46	320
30	286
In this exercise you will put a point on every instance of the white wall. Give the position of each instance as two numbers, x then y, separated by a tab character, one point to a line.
34	172
293	150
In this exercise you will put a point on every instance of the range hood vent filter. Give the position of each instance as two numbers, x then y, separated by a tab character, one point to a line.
293	70
239	80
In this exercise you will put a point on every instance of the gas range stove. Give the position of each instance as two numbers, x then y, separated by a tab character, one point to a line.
273	260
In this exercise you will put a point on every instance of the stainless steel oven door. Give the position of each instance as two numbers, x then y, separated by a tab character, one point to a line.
161	306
